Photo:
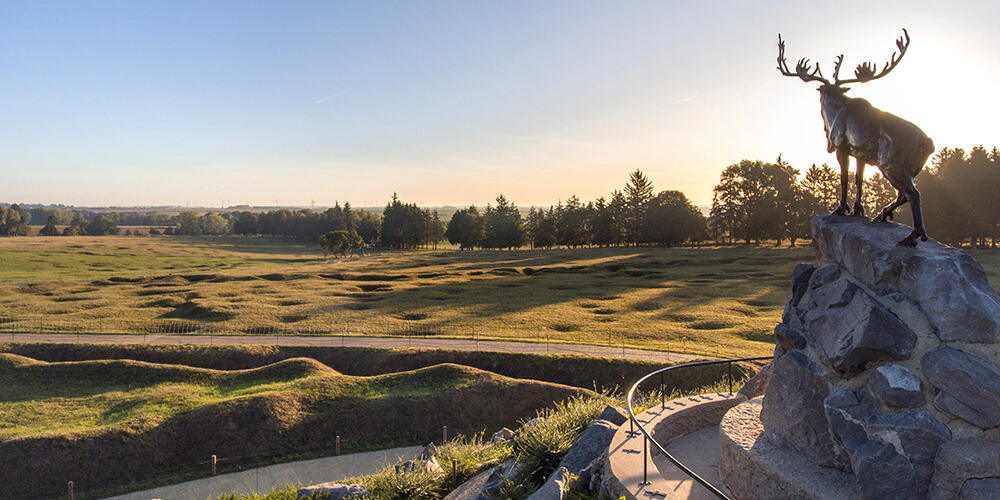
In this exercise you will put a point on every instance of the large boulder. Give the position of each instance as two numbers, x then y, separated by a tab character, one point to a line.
959	461
896	385
886	370
333	491
987	488
591	444
891	455
506	471
555	487
969	386
948	284
793	414
851	329
613	414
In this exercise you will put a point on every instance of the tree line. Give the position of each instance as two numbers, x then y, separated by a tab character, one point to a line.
631	216
754	202
758	201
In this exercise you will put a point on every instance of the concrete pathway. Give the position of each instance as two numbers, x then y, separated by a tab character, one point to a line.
698	451
359	341
264	479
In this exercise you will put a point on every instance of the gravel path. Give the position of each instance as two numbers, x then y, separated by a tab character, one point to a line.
358	341
264	479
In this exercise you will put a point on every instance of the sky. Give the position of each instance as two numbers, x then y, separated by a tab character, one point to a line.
218	103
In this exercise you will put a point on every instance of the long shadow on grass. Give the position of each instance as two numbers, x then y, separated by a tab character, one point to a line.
689	277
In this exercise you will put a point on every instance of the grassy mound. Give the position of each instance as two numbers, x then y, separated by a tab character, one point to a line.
602	374
107	423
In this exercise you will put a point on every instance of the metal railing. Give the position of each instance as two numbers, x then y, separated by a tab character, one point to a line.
633	421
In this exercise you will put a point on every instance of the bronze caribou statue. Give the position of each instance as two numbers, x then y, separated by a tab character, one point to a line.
856	128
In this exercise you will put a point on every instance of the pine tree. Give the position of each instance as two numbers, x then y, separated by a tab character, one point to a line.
638	193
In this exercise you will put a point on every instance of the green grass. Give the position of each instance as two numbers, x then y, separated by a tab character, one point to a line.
718	301
601	374
111	423
721	301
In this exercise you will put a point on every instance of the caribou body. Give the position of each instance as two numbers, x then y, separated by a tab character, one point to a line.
873	137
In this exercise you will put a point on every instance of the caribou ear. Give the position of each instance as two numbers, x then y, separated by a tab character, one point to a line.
845	89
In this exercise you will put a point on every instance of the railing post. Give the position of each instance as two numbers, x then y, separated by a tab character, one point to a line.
663	398
730	366
645	459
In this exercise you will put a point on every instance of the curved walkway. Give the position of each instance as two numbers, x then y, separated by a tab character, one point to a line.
264	479
359	341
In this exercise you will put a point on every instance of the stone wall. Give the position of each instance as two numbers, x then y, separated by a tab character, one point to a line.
886	364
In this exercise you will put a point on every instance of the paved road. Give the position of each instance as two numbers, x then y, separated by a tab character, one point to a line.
358	341
264	479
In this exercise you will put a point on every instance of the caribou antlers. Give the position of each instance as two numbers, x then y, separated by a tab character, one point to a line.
865	72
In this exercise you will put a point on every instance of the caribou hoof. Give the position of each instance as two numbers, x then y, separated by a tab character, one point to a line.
883	216
911	240
858	211
841	210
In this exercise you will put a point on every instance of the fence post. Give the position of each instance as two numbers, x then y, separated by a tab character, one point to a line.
454	469
213	464
336	446
69	490
444	434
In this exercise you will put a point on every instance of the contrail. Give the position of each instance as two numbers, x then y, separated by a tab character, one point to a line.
331	96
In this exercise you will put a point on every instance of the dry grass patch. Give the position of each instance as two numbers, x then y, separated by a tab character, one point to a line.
727	298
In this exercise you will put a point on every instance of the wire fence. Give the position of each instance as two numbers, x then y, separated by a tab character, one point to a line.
512	339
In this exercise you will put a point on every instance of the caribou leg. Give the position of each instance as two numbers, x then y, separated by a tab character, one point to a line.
859	181
844	161
886	213
904	184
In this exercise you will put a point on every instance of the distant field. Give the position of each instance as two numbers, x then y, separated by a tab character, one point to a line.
719	301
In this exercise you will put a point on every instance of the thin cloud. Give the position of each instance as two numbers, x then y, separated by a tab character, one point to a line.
331	96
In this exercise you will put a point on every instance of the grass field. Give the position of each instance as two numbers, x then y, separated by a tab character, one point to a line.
721	301
115	418
107	423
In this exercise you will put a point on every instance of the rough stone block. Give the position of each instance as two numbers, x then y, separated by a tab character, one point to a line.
895	385
987	488
788	338
963	459
950	287
800	281
792	316
793	413
888	452
334	491
824	275
969	385
555	487
591	444
881	472
502	435
614	415
919	435
851	329
758	383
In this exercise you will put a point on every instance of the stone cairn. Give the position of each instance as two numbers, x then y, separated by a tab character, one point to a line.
885	381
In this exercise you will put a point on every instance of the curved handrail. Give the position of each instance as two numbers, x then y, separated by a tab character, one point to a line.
633	421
